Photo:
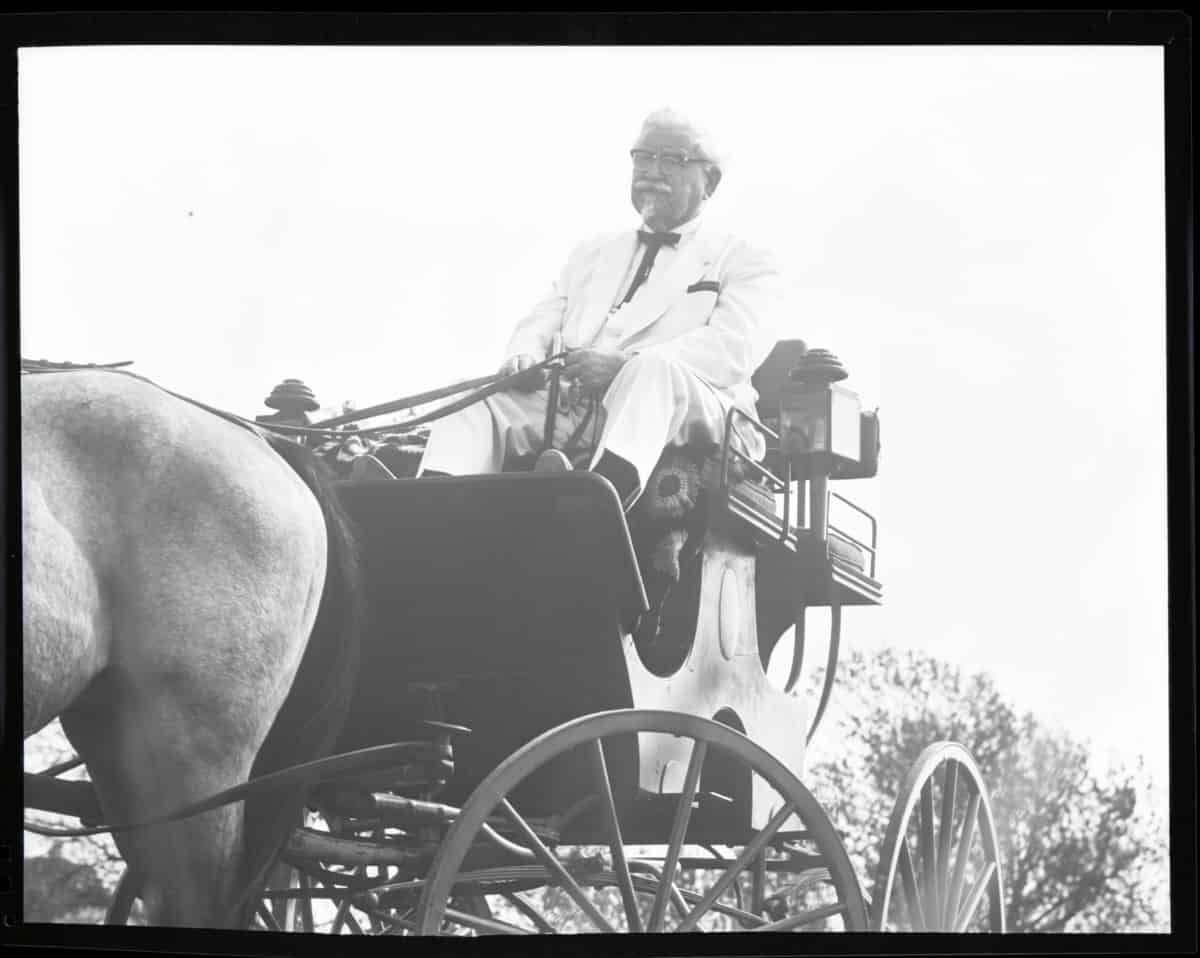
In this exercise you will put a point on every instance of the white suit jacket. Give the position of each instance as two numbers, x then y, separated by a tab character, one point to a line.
712	308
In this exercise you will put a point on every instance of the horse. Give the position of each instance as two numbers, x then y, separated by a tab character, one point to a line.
192	611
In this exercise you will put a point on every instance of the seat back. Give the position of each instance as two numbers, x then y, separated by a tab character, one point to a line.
771	377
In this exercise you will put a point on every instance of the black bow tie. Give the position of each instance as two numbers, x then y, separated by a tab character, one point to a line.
657	241
654	242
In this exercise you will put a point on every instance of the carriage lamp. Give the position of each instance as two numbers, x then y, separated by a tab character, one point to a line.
818	420
819	427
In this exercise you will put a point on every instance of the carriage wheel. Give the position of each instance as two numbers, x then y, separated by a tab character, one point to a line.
793	874
940	857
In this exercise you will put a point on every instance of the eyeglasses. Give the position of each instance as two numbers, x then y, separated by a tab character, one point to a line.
667	162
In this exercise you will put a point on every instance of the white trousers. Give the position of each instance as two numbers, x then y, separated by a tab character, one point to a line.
651	403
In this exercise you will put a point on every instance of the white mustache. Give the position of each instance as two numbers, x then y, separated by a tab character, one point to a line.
652	187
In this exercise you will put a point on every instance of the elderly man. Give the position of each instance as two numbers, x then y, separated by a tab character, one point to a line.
664	326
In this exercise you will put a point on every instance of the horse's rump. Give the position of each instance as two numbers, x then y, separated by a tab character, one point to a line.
145	494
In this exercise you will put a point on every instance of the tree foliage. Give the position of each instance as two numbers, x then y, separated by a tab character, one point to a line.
1081	851
65	879
60	889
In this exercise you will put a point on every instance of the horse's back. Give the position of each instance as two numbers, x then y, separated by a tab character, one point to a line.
123	437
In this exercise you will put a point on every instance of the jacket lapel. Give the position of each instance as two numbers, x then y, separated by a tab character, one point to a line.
663	289
601	288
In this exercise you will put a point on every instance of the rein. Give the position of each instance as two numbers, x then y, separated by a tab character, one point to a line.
367	760
487	386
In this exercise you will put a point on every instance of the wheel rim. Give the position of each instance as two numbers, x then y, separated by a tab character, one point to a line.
771	880
940	861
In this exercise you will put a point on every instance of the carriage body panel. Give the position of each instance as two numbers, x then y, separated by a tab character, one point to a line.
504	593
512	594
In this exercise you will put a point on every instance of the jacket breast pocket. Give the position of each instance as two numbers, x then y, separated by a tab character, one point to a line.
694	309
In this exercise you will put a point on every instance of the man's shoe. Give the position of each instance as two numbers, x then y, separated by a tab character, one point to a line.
552	460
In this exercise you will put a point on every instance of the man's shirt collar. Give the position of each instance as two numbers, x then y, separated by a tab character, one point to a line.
683	229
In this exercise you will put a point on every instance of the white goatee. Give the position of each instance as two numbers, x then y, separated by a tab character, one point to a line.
650	205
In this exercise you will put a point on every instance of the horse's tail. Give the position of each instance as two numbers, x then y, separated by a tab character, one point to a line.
315	709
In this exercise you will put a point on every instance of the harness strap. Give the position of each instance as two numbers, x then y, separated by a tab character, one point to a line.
46	366
38	366
493	384
367	760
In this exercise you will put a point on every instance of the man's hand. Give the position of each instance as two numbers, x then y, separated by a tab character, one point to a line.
593	368
531	383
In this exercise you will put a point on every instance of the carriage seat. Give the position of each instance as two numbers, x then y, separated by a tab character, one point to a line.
684	473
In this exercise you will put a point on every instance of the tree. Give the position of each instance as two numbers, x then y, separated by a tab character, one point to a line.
1080	851
61	890
66	879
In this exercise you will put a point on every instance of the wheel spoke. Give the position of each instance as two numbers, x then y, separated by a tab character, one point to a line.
758	883
376	876
909	879
349	921
343	916
966	837
804	918
555	866
267	918
480	923
304	904
928	853
616	842
393	924
731	873
945	834
122	903
967	912
500	841
477	905
521	905
680	898
678	829
656	883
283	909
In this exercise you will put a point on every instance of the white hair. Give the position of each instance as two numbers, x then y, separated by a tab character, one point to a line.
702	140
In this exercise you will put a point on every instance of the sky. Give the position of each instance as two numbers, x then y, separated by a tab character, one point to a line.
977	232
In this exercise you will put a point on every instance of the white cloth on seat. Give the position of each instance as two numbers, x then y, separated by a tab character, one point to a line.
697	329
